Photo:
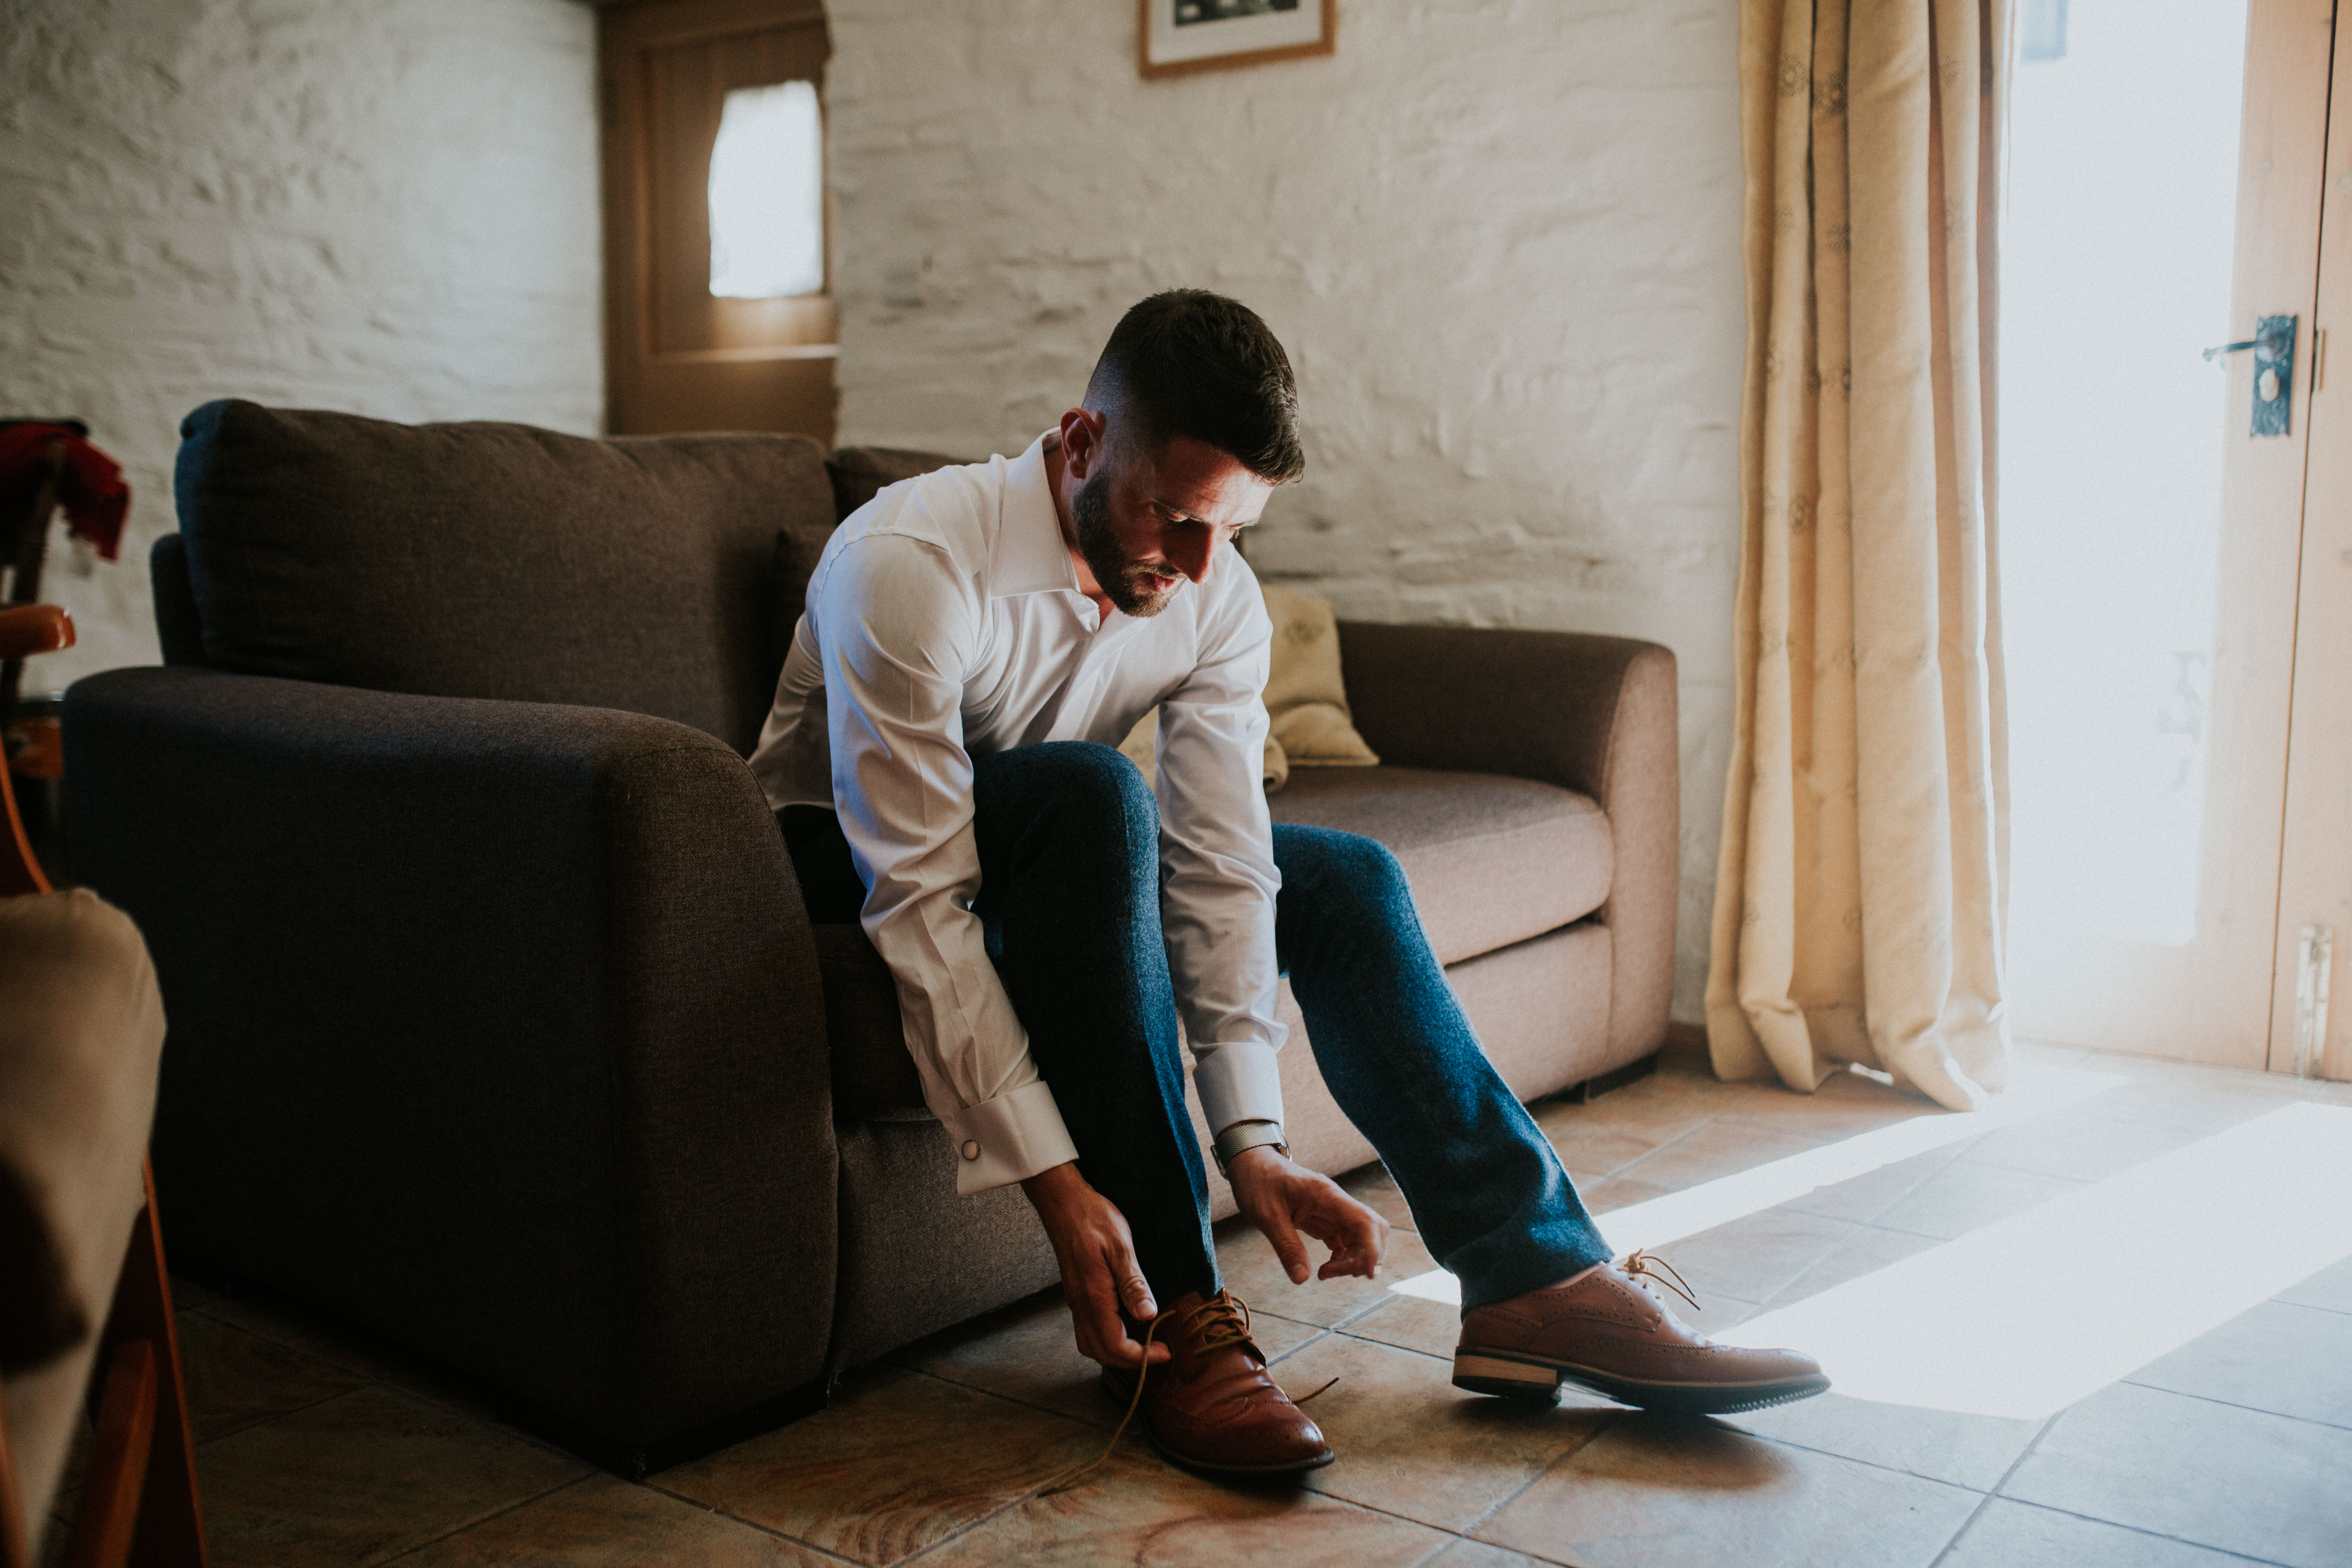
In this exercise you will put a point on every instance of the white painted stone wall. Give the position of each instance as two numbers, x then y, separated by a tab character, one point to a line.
387	207
1499	238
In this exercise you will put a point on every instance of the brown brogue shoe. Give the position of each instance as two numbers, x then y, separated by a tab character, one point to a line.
1604	1330
1211	1405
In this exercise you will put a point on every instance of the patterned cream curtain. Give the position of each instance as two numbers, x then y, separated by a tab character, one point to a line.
1861	896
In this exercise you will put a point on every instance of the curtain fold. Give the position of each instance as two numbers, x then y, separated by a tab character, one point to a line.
1861	894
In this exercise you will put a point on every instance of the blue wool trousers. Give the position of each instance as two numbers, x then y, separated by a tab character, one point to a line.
1068	835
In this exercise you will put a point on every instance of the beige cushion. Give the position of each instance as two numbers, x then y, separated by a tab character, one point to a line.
1491	861
1304	694
1305	699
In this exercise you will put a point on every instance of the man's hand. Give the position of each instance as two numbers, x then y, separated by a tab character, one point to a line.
1100	1274
1283	1198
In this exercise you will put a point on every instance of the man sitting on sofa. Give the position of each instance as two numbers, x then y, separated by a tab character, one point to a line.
977	641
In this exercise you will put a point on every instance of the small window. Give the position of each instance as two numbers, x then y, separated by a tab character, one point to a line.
767	195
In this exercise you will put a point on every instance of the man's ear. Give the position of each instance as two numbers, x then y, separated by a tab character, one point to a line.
1082	442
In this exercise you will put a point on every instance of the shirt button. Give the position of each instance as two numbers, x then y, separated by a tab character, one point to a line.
970	1149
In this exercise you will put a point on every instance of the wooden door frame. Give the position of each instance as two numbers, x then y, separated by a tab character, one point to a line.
2316	837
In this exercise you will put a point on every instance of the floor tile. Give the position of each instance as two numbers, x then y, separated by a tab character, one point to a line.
1602	1149
1373	1186
2013	1535
2286	1358
1716	1149
1866	1251
1254	1273
2240	1480
1027	1352
313	1334
353	1349
2196	1098
362	1477
898	1462
1409	1322
1962	1197
236	1379
1864	1197
1657	1493
1139	1510
601	1522
1972	1451
187	1293
2048	1053
1755	1257
1479	1554
1613	1193
1410	1443
1846	1103
1604	1134
2080	1144
2330	1288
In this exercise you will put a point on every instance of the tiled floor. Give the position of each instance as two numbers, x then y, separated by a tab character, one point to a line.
2234	1447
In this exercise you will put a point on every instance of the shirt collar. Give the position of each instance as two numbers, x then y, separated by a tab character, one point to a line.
1030	556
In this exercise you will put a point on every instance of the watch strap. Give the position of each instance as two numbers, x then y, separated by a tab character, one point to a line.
1245	1135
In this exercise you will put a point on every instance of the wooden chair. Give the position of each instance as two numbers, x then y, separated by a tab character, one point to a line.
139	1501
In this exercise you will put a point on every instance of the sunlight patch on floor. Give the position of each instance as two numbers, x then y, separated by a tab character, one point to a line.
2031	1314
2034	1090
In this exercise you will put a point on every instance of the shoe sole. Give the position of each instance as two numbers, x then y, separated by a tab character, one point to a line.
1536	1381
1210	1468
1110	1383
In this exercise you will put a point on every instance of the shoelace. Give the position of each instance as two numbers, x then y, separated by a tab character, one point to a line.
1638	1262
1229	1317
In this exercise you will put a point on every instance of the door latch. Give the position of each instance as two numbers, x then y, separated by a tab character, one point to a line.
2274	346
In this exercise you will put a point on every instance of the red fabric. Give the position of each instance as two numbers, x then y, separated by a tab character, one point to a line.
91	489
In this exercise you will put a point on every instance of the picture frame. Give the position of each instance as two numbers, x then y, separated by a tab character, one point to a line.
1177	37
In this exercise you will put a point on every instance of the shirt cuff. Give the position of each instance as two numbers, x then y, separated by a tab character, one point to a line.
1008	1139
1238	1082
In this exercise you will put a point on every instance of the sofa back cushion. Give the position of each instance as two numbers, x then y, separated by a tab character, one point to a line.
858	475
498	561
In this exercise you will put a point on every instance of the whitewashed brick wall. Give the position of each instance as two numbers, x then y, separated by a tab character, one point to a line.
387	207
1500	239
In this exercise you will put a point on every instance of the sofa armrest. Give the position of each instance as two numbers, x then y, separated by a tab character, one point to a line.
1593	714
495	1025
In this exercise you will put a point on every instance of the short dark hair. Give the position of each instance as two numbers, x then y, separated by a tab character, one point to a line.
1189	362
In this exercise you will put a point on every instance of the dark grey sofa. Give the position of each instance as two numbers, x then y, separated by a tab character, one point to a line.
498	1025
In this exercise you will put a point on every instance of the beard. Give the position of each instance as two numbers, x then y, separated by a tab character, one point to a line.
1136	589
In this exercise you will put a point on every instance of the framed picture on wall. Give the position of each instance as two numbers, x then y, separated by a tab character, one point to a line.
1173	36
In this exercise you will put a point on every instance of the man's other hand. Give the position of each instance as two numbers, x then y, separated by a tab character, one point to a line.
1100	1274
1282	1198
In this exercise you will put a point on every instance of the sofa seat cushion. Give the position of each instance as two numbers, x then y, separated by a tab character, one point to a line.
1491	861
874	1078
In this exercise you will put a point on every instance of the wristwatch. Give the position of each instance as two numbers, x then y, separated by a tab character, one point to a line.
1243	1135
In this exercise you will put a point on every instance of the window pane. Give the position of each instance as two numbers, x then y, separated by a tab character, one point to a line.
767	194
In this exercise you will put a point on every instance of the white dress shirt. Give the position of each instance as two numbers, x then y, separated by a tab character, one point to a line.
944	621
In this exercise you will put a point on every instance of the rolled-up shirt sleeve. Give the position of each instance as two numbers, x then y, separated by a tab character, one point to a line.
897	624
1217	875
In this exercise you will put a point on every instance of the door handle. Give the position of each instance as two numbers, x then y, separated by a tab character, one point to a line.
2274	346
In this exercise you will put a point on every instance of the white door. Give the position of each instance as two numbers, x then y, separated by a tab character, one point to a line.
2164	197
